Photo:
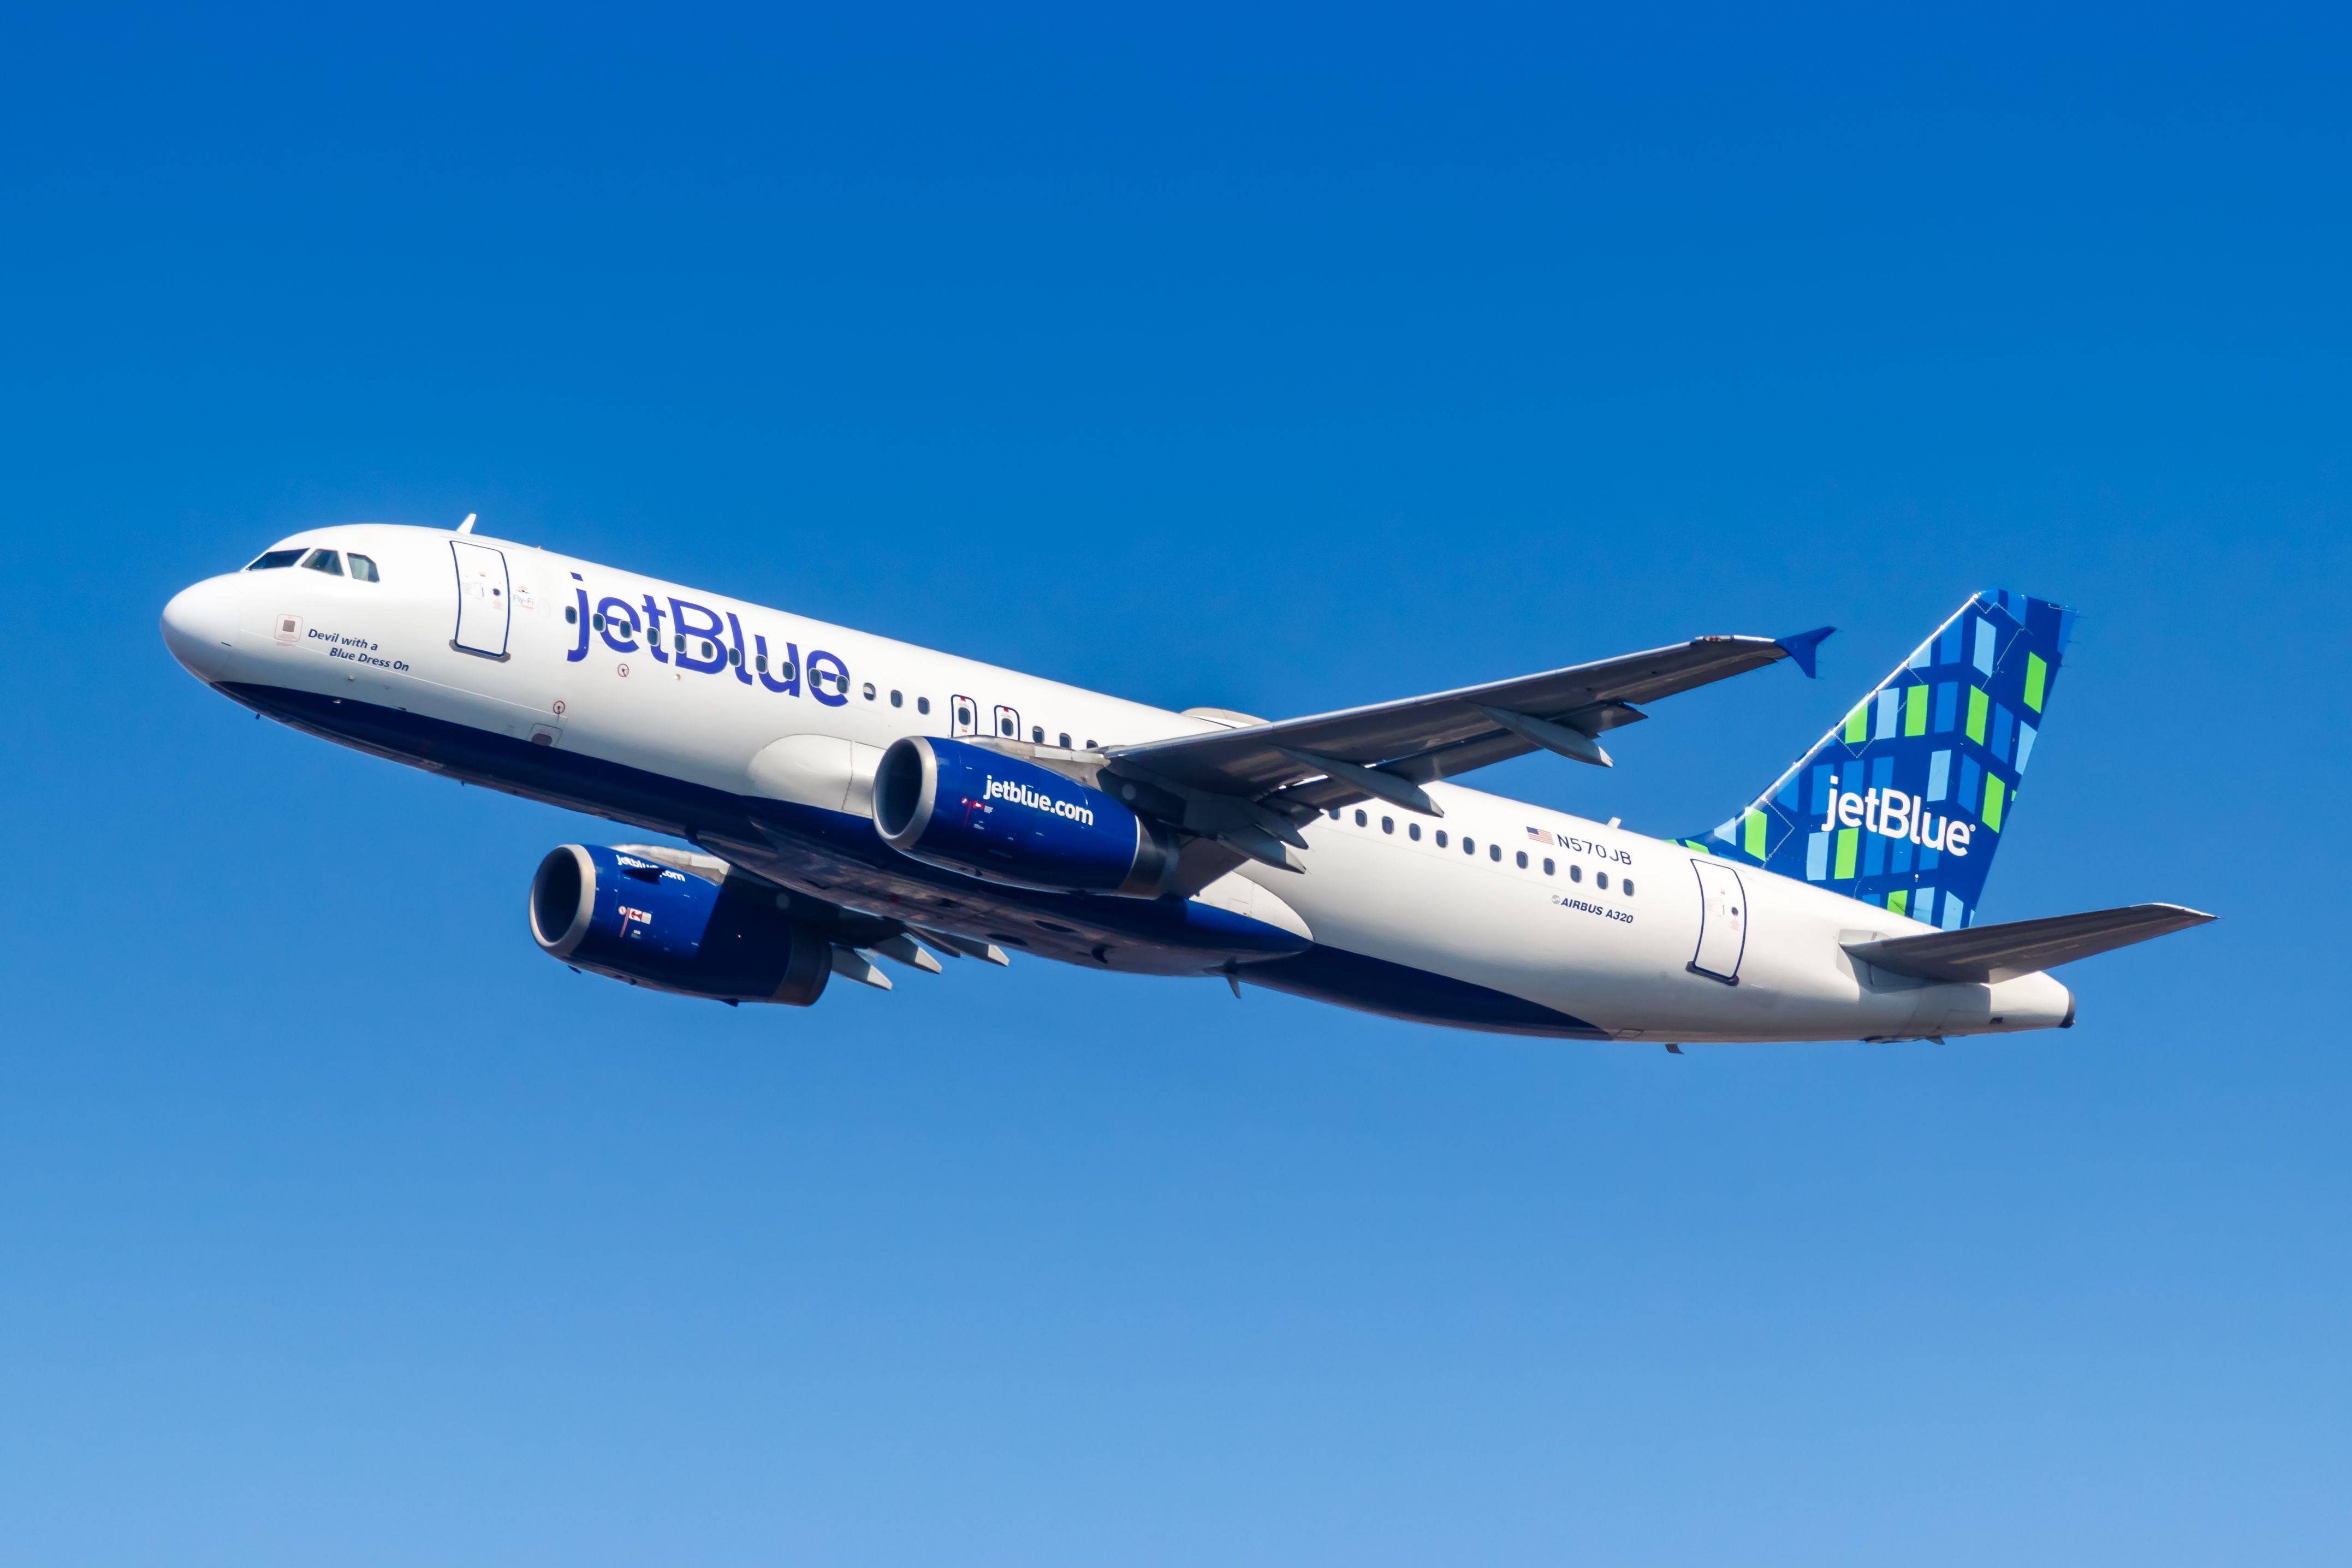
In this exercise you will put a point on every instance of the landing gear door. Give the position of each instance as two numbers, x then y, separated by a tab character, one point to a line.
1722	921
485	599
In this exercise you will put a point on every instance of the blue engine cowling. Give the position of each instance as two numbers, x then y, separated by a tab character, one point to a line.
623	916
979	811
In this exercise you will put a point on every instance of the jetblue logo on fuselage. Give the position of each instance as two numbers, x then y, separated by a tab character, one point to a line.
1022	794
703	640
1891	813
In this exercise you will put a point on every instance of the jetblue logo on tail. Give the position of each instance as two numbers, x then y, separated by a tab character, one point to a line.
1897	815
1902	803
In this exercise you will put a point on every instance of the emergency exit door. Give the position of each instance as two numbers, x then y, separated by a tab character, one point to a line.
485	599
1722	921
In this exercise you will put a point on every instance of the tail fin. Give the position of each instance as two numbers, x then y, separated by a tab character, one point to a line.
1904	804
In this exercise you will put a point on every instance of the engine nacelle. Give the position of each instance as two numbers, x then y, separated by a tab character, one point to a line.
624	916
987	814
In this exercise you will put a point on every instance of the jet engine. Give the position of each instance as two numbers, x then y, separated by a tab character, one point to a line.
988	815
649	924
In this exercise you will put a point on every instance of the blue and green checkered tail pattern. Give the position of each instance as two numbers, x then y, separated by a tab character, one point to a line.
1903	804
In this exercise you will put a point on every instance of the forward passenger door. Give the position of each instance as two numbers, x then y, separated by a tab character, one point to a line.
485	599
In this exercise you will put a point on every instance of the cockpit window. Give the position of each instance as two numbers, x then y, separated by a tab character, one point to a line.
362	568
325	560
275	559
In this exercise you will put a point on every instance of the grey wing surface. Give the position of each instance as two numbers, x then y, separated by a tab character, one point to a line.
1416	740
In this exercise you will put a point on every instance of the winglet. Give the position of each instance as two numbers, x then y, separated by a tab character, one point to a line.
1802	645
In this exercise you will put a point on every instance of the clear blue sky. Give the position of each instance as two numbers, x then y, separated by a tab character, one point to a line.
1270	360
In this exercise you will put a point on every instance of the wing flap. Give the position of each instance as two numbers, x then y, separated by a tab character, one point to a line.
1994	952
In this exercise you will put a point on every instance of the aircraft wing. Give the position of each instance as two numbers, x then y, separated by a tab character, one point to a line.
1994	952
1290	769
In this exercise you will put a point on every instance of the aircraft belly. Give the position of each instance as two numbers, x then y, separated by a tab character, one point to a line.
834	855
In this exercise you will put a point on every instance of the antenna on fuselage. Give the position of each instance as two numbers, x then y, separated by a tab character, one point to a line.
467	526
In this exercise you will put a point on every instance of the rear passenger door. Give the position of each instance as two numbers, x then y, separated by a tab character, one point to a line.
485	599
1722	921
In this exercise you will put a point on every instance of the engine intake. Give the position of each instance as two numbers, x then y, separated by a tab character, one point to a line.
987	814
623	916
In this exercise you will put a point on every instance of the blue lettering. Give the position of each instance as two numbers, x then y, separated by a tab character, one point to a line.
688	636
577	654
735	634
786	676
830	688
620	628
653	631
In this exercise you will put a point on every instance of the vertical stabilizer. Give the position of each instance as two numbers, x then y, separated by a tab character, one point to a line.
1904	804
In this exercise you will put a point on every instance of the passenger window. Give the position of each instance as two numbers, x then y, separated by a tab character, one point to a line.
1523	859
1412	831
571	614
706	650
1469	844
922	704
325	560
1441	838
735	657
1335	814
1601	880
897	700
364	570
1388	824
1547	866
759	660
869	691
1576	873
1036	734
1361	819
1494	852
273	560
1626	887
1065	740
1090	742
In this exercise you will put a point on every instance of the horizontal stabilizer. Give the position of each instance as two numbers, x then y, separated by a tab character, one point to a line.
1984	953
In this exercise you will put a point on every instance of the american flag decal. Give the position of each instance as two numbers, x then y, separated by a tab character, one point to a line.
1538	835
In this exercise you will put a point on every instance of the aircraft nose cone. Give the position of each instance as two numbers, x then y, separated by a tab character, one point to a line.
198	624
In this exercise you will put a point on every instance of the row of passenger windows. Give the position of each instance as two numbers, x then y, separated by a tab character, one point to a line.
330	562
786	670
1494	852
1008	726
967	720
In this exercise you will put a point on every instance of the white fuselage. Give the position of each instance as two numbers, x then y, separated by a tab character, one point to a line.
1607	935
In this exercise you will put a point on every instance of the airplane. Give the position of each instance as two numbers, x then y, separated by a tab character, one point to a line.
836	800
